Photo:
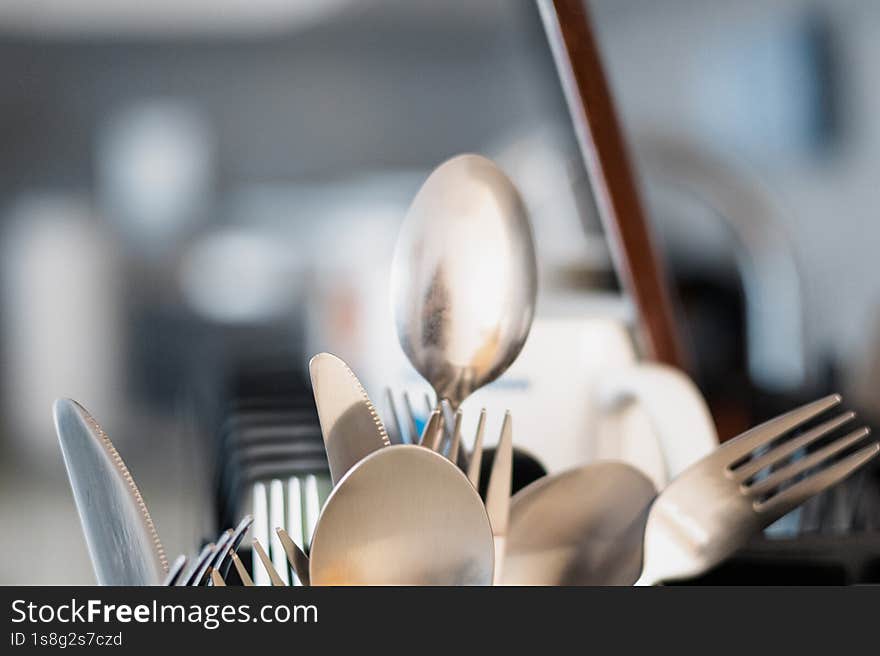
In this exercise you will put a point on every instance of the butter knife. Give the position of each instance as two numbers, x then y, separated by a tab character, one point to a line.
350	424
122	540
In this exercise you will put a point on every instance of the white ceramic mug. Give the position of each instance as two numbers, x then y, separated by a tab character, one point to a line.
653	417
578	393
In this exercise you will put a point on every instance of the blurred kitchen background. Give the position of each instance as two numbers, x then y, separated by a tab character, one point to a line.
197	196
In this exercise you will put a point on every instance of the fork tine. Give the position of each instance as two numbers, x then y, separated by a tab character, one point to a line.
237	536
428	428
411	419
190	577
220	550
217	580
186	576
295	556
448	421
396	426
477	453
498	491
792	497
246	579
433	431
456	438
777	478
439	433
396	433
770	430
428	405
267	564
752	467
175	571
203	572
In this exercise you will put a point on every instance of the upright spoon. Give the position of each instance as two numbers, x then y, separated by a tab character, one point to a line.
404	515
464	277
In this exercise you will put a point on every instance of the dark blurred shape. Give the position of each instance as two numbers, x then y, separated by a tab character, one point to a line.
713	312
809	560
526	469
823	52
266	428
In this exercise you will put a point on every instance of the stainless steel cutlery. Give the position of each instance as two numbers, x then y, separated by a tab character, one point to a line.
464	277
404	425
445	519
292	505
580	527
122	539
296	558
175	571
714	506
403	515
349	422
246	579
498	493
267	564
403	507
214	558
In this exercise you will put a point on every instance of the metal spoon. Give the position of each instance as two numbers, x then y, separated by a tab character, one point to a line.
581	527
464	277
404	515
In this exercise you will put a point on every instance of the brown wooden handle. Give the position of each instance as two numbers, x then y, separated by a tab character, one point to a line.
611	175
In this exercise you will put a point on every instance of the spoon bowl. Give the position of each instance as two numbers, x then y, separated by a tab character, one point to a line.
404	515
581	527
464	277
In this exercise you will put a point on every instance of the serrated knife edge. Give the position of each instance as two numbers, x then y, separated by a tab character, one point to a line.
129	480
350	426
121	536
366	399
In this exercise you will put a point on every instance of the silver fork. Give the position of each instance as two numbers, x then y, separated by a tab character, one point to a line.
433	438
403	429
714	506
213	557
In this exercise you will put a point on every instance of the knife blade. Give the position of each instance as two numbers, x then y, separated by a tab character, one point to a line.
122	540
350	424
